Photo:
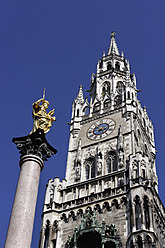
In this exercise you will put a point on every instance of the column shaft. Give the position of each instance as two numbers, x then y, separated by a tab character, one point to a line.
22	216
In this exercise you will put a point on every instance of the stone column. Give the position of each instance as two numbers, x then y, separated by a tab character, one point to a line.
42	238
134	219
50	235
34	150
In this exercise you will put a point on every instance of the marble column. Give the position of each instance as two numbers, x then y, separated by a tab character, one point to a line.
34	151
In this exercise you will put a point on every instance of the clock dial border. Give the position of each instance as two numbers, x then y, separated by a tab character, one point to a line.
93	136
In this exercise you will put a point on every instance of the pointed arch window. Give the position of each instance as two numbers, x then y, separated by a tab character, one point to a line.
107	104
148	241
106	88
111	162
109	66
46	234
118	101
146	212
87	171
90	168
86	110
117	66
103	92
139	242
128	95
96	108
137	212
120	87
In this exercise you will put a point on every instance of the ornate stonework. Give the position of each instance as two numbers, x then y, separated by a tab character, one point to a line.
111	182
35	144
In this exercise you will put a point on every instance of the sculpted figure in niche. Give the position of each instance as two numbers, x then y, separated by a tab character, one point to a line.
99	164
42	119
78	170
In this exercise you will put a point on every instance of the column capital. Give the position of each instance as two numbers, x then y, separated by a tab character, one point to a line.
35	144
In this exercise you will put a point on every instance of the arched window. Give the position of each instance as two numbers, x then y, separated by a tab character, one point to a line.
148	241
86	110
96	107
87	171
78	112
117	66
111	162
128	95
139	242
137	212
146	212
109	66
103	92
107	104
90	168
46	234
93	172
120	87
106	88
118	101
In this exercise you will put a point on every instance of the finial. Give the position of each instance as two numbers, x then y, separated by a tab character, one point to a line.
113	34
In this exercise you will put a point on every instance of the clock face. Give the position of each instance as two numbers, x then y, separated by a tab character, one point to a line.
101	129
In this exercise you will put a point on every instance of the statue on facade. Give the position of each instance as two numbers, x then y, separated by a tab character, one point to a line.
42	119
99	164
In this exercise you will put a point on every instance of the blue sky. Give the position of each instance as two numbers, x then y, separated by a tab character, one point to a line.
56	45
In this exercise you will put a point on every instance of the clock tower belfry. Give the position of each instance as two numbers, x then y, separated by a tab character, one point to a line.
109	197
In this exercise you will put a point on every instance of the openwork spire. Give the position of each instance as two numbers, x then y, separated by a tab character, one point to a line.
113	49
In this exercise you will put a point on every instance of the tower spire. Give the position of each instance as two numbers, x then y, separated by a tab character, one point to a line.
113	49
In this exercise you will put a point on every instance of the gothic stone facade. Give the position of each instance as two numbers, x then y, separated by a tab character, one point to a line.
109	197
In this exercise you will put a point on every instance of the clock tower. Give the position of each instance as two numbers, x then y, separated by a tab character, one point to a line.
109	197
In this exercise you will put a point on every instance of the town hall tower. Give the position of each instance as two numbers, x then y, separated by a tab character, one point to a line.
109	197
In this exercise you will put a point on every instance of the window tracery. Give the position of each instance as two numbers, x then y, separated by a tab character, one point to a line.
117	101
120	87
117	66
146	212
90	168
106	89
111	162
137	212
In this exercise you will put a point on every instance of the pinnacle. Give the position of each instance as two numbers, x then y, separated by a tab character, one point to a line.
113	49
80	97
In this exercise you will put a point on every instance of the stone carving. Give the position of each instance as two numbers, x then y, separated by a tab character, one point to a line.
35	144
42	119
99	165
90	224
78	171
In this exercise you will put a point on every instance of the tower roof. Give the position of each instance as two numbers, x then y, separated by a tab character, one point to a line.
113	49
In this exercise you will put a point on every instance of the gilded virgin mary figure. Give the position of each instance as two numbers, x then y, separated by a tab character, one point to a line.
42	119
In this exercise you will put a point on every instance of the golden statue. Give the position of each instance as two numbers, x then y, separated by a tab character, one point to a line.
42	119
